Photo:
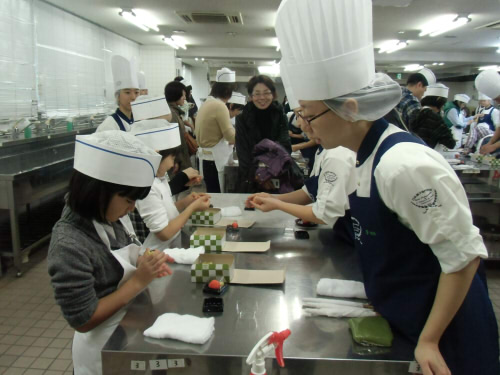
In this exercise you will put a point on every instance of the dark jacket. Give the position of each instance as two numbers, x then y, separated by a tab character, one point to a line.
248	134
431	128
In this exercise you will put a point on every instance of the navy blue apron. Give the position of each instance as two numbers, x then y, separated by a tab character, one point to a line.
343	225
401	275
488	120
119	116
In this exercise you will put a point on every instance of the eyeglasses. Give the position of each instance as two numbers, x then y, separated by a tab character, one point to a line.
309	120
262	94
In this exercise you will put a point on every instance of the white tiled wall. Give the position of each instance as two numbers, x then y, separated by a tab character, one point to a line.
158	64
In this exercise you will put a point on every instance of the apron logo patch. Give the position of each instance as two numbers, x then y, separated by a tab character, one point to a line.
330	177
356	226
426	199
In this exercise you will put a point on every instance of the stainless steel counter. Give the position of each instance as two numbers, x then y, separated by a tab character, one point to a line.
318	345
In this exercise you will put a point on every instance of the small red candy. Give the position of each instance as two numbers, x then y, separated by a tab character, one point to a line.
214	284
235	225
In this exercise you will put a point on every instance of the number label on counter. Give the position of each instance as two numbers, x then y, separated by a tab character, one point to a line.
415	368
173	363
138	365
158	364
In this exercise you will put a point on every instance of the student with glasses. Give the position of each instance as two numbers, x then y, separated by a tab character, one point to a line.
262	118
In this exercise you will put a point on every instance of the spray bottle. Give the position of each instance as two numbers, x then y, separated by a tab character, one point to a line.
273	340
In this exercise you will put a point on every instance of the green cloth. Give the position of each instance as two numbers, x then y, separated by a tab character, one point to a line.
449	106
373	330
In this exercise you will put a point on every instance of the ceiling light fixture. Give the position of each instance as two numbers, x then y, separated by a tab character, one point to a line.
498	50
497	67
444	24
146	19
391	46
170	42
270	70
413	67
202	59
130	16
179	40
441	64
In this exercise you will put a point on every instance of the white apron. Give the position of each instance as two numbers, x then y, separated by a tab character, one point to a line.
87	346
220	154
457	135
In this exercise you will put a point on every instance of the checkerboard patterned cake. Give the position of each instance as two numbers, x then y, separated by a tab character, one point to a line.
211	242
203	272
208	217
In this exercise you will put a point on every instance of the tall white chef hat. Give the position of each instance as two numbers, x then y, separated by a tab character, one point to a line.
292	100
461	97
158	134
328	55
124	76
238	98
437	89
482	96
488	82
429	76
117	157
141	78
225	75
145	107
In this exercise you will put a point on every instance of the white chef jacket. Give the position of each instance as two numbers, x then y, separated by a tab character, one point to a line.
337	177
109	123
405	171
157	209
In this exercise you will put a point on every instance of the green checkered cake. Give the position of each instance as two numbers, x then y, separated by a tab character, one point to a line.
213	243
203	272
208	217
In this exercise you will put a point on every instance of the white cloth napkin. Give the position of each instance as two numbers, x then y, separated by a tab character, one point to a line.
185	256
185	328
339	311
341	288
231	211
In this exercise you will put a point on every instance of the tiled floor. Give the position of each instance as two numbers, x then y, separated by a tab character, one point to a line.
34	337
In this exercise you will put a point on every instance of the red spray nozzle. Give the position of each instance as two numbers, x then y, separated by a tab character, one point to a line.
277	339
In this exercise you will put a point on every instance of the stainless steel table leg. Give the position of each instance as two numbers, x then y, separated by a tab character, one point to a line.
14	228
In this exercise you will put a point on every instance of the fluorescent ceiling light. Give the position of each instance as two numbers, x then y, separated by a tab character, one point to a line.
179	41
391	46
270	70
130	17
413	67
497	67
443	24
498	50
170	42
441	64
195	59
146	19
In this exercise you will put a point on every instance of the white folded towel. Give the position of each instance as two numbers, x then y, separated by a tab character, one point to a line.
185	328
185	256
341	288
314	302
340	311
231	211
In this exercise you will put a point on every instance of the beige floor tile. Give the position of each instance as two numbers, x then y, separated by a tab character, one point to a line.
2	369
3	348
42	341
52	372
26	322
50	353
43	323
34	351
34	332
16	350
7	360
51	315
19	331
32	371
51	332
23	362
5	328
14	371
25	340
41	363
9	339
65	354
66	334
59	325
60	364
60	343
43	307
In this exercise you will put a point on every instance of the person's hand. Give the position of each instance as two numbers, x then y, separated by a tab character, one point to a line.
430	359
265	204
191	173
251	198
201	204
487	149
152	265
194	181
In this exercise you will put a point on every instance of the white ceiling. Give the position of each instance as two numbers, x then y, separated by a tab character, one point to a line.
462	50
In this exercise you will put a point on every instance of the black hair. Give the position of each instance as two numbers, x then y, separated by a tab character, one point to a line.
175	152
265	80
415	78
174	91
222	90
234	106
90	197
179	78
433	101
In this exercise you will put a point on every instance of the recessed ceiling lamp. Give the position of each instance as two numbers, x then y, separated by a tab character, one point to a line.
497	67
498	50
270	70
413	67
139	19
170	42
444	24
179	40
436	63
391	46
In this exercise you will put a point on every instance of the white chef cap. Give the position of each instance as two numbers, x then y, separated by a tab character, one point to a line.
437	89
145	107
158	134
461	98
117	157
482	96
124	74
292	100
328	56
488	82
141	78
225	75
429	76
238	98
